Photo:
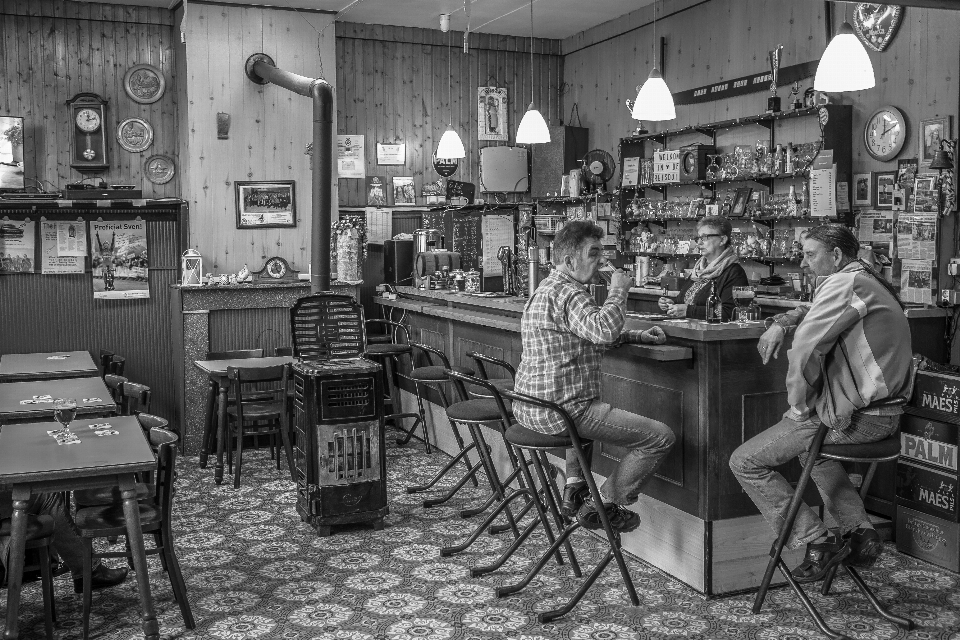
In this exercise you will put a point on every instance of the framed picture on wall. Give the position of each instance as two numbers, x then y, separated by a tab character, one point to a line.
740	202
266	204
883	184
862	191
932	131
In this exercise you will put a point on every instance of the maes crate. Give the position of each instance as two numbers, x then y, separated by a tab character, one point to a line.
339	449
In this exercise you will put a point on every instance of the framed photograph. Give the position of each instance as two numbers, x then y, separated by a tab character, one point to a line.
862	191
883	184
932	131
492	110
266	204
740	202
391	153
404	191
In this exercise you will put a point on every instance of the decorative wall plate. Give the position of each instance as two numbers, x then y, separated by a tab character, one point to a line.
135	135
144	83
877	24
159	169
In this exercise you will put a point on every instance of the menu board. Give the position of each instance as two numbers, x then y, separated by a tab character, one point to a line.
823	193
466	239
496	232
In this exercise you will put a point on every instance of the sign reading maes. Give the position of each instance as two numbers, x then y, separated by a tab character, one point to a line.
666	167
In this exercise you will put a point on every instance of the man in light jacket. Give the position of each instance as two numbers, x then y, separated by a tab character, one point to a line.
849	359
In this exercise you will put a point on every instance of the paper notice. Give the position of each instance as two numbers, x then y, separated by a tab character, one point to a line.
49	243
823	193
916	281
843	197
495	232
379	225
350	157
71	239
631	171
17	245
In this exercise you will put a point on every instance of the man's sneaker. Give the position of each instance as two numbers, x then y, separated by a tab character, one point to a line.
573	497
865	547
820	558
621	519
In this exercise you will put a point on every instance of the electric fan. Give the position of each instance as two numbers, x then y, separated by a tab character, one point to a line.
598	166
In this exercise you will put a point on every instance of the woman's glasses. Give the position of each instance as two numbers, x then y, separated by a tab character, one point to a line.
703	237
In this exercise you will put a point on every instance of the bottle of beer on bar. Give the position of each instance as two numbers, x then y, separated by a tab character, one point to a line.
714	308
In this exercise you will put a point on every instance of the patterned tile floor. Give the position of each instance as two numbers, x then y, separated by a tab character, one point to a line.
254	570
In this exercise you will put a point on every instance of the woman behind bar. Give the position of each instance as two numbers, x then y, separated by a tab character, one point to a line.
718	266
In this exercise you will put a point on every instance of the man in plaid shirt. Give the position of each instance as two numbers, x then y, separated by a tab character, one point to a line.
564	333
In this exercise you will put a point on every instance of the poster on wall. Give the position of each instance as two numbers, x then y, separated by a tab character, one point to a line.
391	153
492	109
119	259
916	281
350	157
17	245
53	236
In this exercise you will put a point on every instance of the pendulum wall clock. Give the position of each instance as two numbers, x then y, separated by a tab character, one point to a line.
88	139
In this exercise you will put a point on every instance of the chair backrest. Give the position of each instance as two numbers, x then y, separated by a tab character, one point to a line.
240	376
116	365
481	358
283	351
461	378
115	384
136	398
105	358
166	473
395	332
571	428
428	353
238	354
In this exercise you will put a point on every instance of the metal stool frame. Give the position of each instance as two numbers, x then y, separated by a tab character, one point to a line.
391	369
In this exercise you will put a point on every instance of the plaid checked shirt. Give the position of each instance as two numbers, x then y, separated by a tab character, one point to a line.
564	334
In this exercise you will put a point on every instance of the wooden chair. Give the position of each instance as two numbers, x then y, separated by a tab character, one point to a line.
283	351
156	517
105	358
263	417
116	365
115	384
39	537
135	398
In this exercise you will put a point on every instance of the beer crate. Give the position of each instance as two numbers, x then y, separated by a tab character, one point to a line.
928	538
927	489
938	392
929	441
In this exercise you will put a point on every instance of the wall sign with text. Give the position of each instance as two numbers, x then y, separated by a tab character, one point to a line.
666	167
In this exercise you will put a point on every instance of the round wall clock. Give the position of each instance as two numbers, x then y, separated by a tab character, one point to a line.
144	83
884	133
135	135
88	120
159	169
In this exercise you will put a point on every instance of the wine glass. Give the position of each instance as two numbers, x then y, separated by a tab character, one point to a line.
64	411
743	297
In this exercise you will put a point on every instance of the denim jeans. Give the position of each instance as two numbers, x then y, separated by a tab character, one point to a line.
753	462
66	540
648	442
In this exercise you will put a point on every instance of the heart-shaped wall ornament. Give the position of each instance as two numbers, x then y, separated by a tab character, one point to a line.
877	24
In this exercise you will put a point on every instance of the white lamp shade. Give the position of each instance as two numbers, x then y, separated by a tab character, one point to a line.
451	146
533	128
654	101
845	65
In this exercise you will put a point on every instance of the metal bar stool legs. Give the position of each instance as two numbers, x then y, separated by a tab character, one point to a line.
881	451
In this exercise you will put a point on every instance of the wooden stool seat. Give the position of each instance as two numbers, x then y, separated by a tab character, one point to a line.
37	527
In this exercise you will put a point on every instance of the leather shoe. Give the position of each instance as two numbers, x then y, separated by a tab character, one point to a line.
621	519
820	558
103	577
573	496
865	547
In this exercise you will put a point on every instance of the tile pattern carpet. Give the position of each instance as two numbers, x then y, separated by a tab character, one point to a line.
254	570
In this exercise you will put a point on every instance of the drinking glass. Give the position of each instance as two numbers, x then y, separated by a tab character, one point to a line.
64	411
743	298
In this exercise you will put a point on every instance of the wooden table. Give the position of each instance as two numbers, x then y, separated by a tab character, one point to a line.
98	400
216	371
32	462
15	367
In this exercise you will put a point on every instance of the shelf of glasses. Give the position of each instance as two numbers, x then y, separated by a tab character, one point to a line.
763	119
657	254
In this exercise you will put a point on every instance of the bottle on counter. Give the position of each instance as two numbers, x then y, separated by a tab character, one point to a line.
790	166
714	307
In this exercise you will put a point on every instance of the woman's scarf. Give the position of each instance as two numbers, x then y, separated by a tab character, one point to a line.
703	273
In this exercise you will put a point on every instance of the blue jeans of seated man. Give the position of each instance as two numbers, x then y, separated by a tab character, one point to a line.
66	540
648	442
753	464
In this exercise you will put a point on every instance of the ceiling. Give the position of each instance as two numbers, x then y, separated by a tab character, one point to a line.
552	18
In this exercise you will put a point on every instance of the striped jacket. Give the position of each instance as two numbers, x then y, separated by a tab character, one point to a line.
851	347
564	334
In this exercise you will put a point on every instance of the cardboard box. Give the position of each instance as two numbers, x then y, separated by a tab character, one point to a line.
928	538
927	489
929	441
938	392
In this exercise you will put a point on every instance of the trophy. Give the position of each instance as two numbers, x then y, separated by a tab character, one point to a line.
639	130
773	102
795	92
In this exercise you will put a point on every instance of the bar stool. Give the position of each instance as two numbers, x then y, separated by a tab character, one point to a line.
434	376
387	350
872	453
480	391
493	411
534	441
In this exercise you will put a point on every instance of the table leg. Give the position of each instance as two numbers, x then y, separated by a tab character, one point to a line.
18	541
131	513
221	433
208	429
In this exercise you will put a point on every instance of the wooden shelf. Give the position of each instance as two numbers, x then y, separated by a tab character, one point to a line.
764	119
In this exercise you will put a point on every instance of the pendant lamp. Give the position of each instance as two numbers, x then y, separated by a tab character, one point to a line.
845	65
533	128
451	146
654	101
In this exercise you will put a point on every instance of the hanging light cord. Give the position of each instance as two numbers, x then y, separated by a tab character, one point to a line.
531	52
449	80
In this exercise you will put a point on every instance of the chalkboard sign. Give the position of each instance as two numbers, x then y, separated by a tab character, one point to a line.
457	189
466	238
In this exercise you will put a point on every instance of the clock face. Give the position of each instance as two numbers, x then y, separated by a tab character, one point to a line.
884	133
88	120
276	268
689	162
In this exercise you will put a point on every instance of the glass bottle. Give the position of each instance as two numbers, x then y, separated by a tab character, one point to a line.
714	312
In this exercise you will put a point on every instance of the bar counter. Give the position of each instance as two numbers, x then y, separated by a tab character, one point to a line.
707	384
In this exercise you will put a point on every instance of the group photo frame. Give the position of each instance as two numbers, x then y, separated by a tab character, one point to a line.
266	204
